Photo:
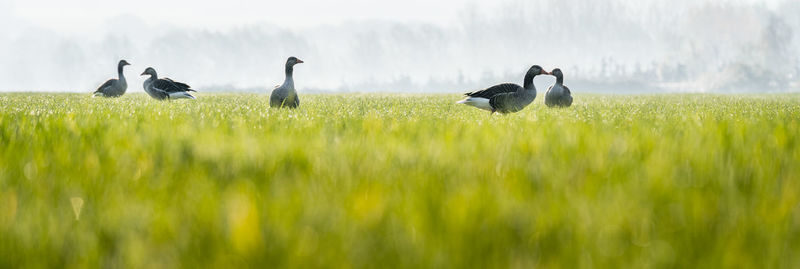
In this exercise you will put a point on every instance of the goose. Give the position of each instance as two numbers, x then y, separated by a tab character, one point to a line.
558	94
165	88
285	95
506	97
114	87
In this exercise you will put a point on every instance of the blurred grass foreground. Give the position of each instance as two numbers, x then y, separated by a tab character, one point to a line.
410	181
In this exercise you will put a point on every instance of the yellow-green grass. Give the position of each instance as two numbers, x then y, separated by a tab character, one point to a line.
410	181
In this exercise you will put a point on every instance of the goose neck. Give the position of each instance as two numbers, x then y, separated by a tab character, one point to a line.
528	83
289	71
119	71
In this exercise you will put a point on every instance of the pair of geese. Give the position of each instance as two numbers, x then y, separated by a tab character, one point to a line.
503	98
509	97
165	88
157	88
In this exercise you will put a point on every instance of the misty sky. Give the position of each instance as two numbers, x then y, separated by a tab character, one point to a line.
82	15
402	45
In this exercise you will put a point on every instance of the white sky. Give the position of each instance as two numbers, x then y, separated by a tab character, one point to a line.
79	15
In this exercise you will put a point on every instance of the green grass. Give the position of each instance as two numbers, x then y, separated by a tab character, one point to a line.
399	181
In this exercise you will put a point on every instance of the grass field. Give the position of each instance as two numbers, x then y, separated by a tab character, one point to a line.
399	181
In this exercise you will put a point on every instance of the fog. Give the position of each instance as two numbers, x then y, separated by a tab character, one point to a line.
609	46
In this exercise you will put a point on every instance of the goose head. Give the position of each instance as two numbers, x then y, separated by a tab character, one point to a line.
293	61
557	73
123	63
536	70
149	71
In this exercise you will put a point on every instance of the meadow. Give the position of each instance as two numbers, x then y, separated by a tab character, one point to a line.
406	181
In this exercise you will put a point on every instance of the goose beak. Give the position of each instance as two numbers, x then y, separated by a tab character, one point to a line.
143	73
300	61
546	73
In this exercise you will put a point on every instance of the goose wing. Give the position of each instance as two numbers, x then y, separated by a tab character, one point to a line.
502	101
568	97
180	84
170	86
495	90
105	85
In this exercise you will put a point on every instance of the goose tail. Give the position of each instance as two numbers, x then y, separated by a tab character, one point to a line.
479	102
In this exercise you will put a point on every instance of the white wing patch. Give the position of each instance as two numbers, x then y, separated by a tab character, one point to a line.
479	102
181	95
